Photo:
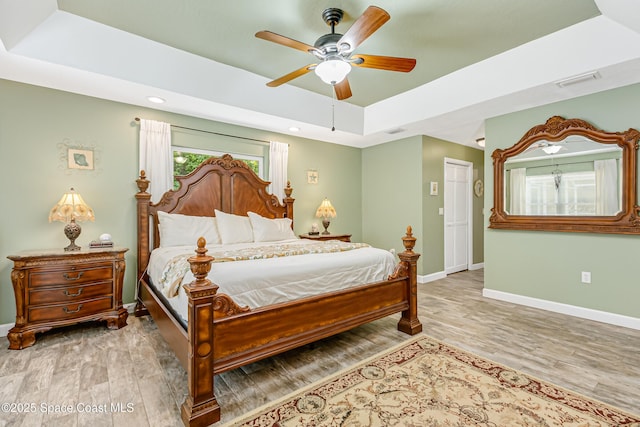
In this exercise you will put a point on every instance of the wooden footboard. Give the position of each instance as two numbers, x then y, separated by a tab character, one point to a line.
223	336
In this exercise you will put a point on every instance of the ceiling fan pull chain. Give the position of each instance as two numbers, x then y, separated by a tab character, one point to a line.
333	109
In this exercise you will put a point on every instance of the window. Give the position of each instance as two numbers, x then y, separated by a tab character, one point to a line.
571	193
186	160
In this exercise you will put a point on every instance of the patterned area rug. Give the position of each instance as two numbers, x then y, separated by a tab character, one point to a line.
424	382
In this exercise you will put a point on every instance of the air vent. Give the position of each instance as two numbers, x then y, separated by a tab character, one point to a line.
582	78
396	130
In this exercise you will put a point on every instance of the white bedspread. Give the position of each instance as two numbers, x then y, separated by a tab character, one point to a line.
260	282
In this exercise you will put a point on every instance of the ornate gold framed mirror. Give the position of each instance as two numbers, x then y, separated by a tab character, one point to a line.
566	175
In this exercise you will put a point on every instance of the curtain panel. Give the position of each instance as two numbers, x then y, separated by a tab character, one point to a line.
156	157
278	160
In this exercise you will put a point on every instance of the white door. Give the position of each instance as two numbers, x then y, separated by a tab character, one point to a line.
457	215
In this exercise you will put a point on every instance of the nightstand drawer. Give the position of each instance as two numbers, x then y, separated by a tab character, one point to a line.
71	276
69	294
70	310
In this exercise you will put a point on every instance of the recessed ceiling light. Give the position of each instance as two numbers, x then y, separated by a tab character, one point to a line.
155	99
294	129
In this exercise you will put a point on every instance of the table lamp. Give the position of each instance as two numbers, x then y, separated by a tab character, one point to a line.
70	208
326	211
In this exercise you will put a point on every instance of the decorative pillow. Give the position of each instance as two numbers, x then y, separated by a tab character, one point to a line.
233	228
181	230
269	230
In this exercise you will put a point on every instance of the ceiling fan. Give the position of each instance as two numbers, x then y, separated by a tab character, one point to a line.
335	51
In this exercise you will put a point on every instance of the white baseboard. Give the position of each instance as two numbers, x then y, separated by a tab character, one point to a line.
441	274
4	329
478	266
431	277
571	310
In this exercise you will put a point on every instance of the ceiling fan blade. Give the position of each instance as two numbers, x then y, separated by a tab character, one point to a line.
389	63
372	19
343	89
292	75
285	41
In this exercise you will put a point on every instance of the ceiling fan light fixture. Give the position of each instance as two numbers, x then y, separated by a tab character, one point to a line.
333	71
551	149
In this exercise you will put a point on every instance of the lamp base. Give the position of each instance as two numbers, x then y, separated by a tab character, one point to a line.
72	231
72	247
325	224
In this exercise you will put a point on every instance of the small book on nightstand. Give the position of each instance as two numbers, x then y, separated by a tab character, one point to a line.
100	244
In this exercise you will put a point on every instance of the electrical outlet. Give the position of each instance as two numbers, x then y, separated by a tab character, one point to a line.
586	277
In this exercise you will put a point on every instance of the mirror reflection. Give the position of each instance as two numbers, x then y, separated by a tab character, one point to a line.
575	176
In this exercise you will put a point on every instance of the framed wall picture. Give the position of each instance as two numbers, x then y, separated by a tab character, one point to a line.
312	177
80	159
433	188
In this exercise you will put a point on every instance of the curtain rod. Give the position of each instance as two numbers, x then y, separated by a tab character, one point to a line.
137	119
558	164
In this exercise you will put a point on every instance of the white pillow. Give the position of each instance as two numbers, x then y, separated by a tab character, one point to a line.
269	230
181	230
233	228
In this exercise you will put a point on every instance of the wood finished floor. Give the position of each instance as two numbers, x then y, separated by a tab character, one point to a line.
90	365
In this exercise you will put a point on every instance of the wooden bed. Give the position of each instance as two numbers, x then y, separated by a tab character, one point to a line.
221	335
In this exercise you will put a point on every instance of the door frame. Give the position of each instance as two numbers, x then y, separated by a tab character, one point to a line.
469	166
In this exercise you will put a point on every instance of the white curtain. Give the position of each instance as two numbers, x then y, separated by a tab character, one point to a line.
517	191
156	157
607	203
278	159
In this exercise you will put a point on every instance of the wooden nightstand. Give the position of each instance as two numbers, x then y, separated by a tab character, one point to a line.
57	288
343	237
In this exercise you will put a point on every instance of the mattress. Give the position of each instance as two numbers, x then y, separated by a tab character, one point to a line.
260	282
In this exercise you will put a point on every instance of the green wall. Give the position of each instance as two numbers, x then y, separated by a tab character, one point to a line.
391	188
548	265
36	122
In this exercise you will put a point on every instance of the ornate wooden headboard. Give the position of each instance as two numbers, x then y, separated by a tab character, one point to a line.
218	183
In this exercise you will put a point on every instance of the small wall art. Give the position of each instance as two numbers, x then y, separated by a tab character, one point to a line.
80	159
76	157
434	188
312	176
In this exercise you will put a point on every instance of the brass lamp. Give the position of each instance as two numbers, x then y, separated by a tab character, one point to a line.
326	211
70	208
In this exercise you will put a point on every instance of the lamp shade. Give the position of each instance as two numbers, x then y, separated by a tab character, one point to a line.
71	207
333	71
326	210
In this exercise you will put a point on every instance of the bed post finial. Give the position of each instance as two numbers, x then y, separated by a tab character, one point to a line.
288	190
288	201
143	182
201	264
409	241
409	322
